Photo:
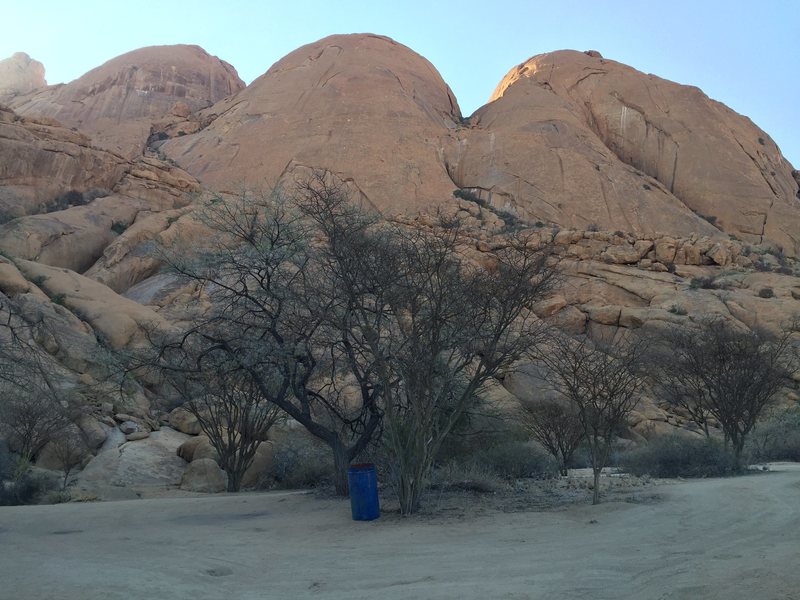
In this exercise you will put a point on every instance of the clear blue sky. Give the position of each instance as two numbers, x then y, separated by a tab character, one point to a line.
743	53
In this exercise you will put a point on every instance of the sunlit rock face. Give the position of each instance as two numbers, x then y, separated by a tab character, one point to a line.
20	74
362	106
117	102
713	160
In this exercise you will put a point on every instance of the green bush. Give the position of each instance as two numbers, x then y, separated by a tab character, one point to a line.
497	446
59	299
776	437
678	456
703	283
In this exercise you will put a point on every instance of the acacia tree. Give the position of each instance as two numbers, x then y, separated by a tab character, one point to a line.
69	450
603	383
556	426
714	369
448	326
229	406
31	411
280	311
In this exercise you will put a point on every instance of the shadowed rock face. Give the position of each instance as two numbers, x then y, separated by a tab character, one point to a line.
116	103
363	106
715	161
20	74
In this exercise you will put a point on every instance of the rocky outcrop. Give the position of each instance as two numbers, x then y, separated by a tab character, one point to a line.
19	75
362	106
530	153
44	166
715	161
117	102
76	237
118	320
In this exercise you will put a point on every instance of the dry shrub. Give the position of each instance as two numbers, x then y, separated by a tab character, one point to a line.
677	456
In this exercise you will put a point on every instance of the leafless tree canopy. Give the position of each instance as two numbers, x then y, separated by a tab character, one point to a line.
31	410
716	370
449	327
355	326
603	383
69	450
556	426
281	277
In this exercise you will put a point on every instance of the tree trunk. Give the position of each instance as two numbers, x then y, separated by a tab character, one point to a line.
234	481
738	449
341	463
596	494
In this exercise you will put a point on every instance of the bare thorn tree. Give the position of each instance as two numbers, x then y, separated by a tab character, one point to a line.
32	406
717	370
556	426
69	450
282	295
448	327
603	383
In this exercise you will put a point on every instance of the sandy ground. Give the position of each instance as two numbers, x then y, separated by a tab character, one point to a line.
720	538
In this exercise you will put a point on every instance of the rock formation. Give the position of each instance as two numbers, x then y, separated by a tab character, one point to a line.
362	106
116	103
715	161
19	75
662	205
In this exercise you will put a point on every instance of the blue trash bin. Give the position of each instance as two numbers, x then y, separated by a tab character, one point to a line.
363	482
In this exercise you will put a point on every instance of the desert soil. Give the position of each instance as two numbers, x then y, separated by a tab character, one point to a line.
717	538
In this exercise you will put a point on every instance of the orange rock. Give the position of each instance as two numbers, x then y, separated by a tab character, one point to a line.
117	102
363	106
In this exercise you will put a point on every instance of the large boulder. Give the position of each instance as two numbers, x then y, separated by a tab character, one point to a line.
262	463
184	421
188	448
94	433
204	475
135	466
43	164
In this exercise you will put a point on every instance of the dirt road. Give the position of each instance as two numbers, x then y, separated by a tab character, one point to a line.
722	538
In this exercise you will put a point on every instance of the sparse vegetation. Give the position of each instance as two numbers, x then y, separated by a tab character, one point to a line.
73	198
677	309
118	227
777	436
679	456
470	196
59	298
766	292
557	427
603	383
709	283
714	370
300	461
